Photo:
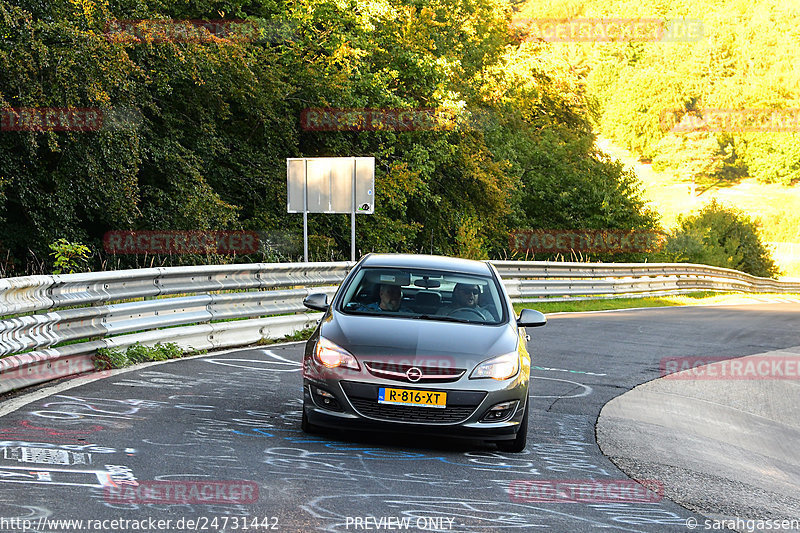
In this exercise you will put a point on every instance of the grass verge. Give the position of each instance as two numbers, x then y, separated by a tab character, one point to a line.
301	335
110	358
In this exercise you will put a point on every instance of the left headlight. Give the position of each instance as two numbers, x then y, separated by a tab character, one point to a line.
499	368
331	355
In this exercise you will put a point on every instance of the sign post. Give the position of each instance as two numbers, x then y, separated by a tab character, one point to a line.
353	217
305	212
331	185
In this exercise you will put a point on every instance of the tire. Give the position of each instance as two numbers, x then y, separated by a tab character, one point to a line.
307	426
520	441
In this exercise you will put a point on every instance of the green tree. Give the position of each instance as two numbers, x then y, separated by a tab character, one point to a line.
211	122
694	156
719	236
745	59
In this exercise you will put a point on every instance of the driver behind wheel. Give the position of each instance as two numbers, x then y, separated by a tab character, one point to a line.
465	297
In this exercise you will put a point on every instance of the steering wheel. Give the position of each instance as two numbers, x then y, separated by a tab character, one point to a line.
468	310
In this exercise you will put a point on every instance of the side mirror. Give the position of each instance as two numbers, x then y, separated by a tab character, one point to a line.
529	318
317	301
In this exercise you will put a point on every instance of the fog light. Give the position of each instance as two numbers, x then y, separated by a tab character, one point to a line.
501	411
325	399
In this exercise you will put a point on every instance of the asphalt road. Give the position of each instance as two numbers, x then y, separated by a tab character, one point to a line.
233	419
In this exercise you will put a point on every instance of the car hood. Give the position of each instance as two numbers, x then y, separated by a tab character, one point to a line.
385	337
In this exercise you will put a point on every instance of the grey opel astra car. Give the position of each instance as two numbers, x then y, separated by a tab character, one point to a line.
420	344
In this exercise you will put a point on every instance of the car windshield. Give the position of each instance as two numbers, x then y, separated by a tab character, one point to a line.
424	295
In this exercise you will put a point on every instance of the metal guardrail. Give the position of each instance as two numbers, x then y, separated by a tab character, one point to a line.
61	321
54	325
531	280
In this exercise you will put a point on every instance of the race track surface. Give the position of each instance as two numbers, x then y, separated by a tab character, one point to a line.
232	419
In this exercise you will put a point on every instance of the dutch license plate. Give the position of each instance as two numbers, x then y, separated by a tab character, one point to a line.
416	398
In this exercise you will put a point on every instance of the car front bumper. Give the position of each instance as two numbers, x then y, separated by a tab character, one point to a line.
353	411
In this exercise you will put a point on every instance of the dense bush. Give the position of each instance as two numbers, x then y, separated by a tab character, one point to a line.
719	236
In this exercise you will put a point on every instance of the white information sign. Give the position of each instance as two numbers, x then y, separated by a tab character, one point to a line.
330	185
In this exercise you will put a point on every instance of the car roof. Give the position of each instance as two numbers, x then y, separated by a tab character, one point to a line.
434	262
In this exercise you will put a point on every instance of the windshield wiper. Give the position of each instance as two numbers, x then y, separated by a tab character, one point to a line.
368	312
445	318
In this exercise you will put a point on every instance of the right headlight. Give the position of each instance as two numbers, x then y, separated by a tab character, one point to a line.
331	355
499	368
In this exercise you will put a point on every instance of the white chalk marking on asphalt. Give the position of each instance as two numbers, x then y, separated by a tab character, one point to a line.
15	404
257	364
586	392
276	356
567	370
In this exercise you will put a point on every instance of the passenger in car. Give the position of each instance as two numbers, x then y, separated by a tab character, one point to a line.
391	297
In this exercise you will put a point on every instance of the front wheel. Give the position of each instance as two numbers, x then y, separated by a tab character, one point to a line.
521	440
307	426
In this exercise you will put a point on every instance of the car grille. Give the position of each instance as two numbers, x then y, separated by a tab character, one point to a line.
426	415
364	398
430	374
